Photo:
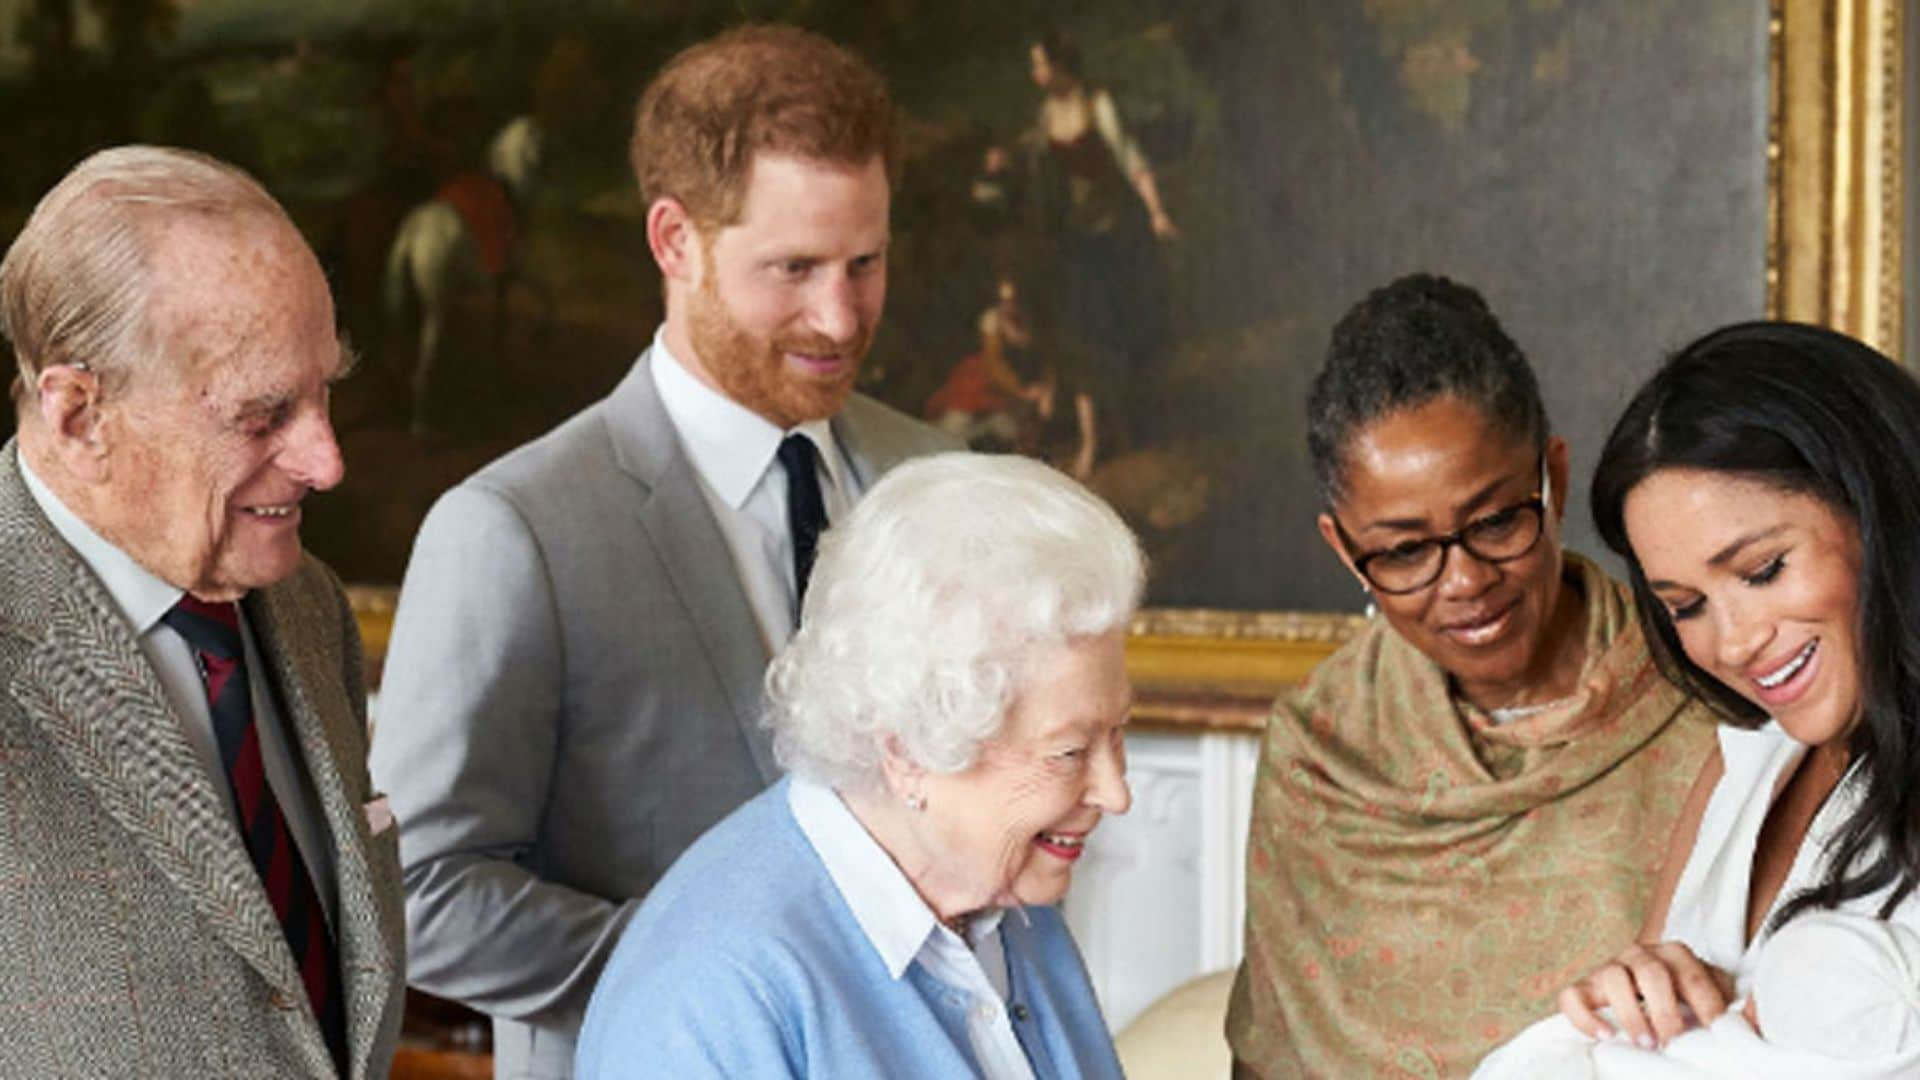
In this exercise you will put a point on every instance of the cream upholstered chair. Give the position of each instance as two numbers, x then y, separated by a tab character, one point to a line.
1183	1035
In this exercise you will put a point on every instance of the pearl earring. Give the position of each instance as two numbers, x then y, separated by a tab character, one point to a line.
916	802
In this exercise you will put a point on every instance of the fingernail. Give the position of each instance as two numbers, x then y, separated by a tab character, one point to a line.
1645	1042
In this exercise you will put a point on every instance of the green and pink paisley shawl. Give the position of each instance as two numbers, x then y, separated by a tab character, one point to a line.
1421	882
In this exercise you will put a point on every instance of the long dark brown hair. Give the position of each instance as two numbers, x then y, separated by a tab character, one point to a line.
1805	410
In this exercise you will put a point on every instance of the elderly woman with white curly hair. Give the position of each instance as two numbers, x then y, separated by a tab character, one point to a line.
951	715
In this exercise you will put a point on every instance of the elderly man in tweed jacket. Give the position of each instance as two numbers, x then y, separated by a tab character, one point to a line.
193	882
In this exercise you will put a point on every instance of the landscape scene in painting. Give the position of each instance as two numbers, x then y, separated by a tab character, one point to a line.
1124	230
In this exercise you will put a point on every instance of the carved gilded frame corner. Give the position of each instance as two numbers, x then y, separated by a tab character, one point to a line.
1834	166
1834	235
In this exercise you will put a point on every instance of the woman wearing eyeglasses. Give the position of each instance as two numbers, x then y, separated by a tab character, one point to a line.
1465	806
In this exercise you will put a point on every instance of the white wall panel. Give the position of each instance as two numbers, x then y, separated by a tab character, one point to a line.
1159	896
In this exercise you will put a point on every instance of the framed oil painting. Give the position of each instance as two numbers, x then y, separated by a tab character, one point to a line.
1124	231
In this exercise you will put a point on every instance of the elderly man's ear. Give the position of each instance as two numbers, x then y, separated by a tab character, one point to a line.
69	409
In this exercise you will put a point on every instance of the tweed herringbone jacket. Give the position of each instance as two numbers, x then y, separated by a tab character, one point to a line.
136	939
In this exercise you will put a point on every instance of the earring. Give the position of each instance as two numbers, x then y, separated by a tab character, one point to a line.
916	802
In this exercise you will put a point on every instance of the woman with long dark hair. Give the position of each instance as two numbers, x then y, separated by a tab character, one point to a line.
1764	488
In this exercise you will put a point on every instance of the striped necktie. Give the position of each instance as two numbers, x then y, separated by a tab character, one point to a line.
213	630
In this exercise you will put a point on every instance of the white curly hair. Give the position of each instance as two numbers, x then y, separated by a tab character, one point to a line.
926	604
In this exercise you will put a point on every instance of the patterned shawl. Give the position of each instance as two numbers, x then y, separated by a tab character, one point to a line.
1421	881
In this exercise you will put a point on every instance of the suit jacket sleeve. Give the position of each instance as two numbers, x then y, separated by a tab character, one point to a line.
466	728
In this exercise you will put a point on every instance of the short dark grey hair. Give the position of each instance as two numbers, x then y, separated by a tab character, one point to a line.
1418	338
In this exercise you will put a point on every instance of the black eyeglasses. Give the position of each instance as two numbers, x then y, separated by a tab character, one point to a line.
1502	536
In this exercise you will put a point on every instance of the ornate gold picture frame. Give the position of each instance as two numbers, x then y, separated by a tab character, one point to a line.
1834	163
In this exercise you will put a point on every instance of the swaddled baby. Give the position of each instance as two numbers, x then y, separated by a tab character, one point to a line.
1834	995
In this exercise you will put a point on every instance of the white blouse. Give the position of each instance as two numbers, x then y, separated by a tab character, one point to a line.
1709	909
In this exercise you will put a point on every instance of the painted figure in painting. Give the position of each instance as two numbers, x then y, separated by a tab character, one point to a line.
1091	191
1472	796
1011	394
470	233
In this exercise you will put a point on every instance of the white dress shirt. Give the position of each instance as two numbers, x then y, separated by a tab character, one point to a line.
903	929
734	453
144	600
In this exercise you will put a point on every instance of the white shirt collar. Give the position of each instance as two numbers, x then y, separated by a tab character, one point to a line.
883	901
140	596
730	444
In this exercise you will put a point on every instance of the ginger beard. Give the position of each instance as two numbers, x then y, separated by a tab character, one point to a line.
763	373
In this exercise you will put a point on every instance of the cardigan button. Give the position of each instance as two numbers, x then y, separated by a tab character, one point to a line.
1019	1012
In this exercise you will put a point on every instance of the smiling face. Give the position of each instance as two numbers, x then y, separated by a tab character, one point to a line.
1009	828
209	457
1498	628
1762	587
789	297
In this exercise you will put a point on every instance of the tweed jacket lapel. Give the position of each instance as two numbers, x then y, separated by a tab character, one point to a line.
680	526
324	725
89	689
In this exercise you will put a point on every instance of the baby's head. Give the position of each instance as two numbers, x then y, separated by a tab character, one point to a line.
1845	986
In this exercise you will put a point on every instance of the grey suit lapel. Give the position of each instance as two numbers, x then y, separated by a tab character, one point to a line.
680	525
315	706
862	434
87	687
859	455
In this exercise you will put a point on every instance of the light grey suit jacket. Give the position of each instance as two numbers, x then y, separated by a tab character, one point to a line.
571	698
135	937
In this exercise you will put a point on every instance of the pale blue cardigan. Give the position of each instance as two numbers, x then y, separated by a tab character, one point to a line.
745	962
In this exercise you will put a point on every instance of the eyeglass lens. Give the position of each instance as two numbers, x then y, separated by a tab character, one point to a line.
1495	538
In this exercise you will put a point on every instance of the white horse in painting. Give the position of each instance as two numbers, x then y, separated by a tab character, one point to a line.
435	256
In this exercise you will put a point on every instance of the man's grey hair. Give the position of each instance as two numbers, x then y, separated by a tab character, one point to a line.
75	285
928	606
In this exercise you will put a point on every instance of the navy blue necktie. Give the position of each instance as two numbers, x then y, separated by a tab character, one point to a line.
213	630
806	510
